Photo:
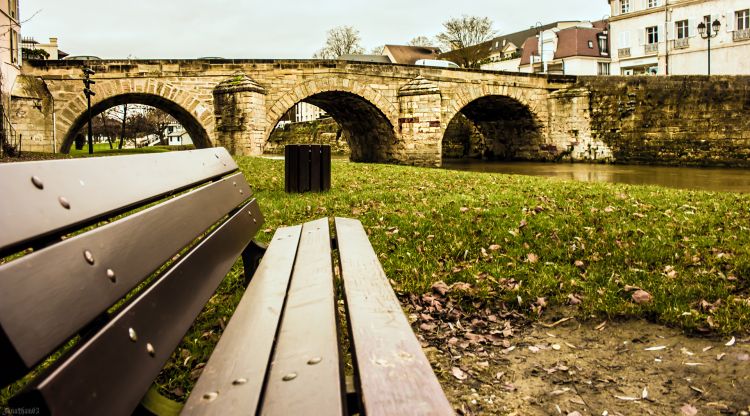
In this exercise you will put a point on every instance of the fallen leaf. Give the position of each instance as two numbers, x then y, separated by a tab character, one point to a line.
601	326
556	347
578	264
641	296
576	400
627	398
657	348
720	356
533	349
743	357
644	393
693	364
464	209
574	299
440	287
532	258
731	342
458	373
689	410
686	351
495	247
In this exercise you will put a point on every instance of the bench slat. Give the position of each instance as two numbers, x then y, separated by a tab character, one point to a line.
307	352
240	361
110	372
93	188
68	292
394	375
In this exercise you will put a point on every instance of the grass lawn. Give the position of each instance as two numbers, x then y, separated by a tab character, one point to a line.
522	243
101	149
516	239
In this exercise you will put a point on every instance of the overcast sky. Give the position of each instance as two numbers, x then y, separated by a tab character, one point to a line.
267	28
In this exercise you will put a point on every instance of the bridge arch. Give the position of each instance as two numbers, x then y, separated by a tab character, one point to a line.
195	115
498	123
367	119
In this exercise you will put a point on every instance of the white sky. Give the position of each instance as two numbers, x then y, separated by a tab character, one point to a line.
268	28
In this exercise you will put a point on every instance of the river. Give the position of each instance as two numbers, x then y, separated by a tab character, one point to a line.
709	179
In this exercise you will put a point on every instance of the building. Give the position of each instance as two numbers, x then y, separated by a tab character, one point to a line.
408	55
176	135
662	37
10	53
31	49
502	53
582	49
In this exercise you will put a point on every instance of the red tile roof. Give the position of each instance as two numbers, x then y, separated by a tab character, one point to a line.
573	41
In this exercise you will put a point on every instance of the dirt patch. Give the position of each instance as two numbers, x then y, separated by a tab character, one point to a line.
492	362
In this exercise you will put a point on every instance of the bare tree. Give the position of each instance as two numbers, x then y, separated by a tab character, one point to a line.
421	41
342	40
462	33
378	50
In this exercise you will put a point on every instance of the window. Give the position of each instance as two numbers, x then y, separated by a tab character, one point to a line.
743	19
591	45
624	6
13	9
13	46
603	45
603	68
653	3
682	29
652	35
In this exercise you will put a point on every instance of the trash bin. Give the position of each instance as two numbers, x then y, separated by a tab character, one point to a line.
307	167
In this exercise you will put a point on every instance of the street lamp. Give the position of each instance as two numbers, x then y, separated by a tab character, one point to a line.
708	33
87	72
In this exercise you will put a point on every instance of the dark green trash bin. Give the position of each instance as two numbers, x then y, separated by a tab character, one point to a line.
307	167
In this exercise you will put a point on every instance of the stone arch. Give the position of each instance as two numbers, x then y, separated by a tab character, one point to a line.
367	118
194	114
496	122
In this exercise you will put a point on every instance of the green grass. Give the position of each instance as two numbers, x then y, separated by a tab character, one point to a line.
683	247
103	149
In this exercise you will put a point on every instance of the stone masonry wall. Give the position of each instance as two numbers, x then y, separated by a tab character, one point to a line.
676	120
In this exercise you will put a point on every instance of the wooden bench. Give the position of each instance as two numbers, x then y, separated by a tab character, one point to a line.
92	230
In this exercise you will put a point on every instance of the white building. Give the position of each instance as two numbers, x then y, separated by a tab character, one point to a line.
51	48
307	112
176	135
662	37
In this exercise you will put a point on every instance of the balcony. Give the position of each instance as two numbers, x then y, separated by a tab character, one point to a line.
683	43
623	53
651	48
740	35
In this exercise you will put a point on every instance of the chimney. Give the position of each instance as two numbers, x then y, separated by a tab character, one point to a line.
53	41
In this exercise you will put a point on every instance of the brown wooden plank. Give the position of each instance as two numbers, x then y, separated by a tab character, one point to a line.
110	372
394	375
305	375
232	381
35	194
48	295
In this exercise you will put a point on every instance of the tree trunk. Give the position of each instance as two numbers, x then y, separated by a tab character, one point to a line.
124	119
106	131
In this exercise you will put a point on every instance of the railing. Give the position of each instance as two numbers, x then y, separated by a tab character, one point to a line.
739	35
651	48
623	53
682	43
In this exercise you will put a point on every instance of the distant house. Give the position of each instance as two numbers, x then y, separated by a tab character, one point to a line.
176	135
408	55
50	50
579	50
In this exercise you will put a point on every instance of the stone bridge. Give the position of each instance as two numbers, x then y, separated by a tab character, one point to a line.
388	113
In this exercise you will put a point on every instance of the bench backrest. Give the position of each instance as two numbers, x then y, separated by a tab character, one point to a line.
83	260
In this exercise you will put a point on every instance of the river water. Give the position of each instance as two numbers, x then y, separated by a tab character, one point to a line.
709	179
